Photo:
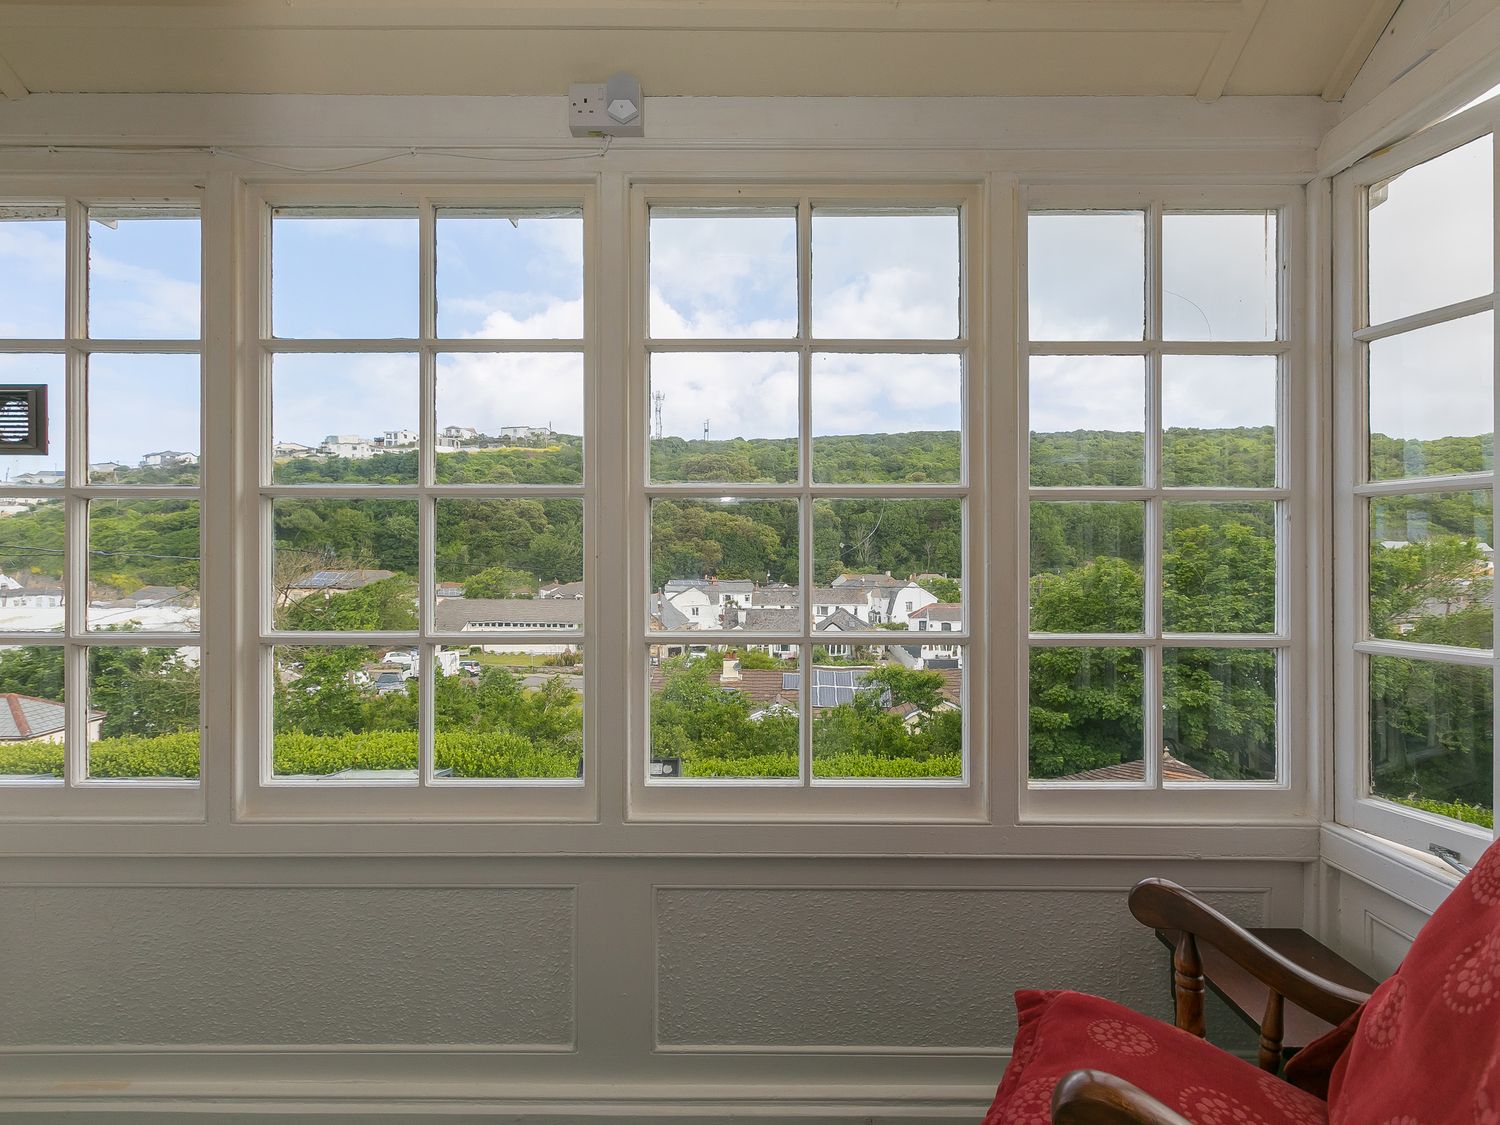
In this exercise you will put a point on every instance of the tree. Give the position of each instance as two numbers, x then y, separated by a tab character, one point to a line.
501	582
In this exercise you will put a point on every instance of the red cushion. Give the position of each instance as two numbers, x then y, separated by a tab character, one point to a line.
1066	1031
1427	1049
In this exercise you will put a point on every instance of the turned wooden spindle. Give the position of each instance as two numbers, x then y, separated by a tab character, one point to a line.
1271	1029
1187	985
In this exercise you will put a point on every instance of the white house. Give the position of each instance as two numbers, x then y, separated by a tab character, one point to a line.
348	445
166	458
512	615
902	601
393	439
933	620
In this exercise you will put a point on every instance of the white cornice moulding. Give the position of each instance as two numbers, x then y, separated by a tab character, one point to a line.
1038	124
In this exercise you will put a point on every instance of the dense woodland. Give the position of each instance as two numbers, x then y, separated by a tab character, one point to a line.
1428	583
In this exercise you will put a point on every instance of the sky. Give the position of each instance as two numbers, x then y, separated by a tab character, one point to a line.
726	274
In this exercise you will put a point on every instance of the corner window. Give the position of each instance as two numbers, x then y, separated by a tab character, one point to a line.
1417	486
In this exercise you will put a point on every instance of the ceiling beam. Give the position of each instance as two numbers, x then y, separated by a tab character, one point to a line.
1231	47
1361	43
664	15
10	82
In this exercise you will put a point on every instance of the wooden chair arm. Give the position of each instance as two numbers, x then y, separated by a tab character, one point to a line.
1164	905
1092	1097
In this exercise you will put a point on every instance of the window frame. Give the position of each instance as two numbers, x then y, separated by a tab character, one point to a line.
259	797
77	796
826	801
1289	798
1353	805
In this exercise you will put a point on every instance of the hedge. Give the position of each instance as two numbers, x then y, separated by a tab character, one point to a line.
832	765
176	755
1458	810
467	754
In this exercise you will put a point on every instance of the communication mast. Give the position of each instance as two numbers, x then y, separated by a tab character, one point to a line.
657	397
705	429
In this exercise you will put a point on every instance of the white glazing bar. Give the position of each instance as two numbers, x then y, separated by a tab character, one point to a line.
1175	347
1427	318
1461	482
1152	677
405	345
805	561
1438	654
75	541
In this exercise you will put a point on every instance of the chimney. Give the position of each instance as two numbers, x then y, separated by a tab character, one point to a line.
731	672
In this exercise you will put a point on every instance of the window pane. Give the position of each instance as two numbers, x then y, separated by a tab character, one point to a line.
1087	275
723	273
887	418
885	276
1431	234
509	418
1218	416
344	418
1432	400
1088	420
344	713
345	565
32	719
33	260
143	565
509	711
516	275
1219	567
1086	714
144	422
720	416
33	536
48	469
494	557
1087	561
887	563
1218	714
897	716
143	712
343	274
710	558
723	714
1432	568
1432	737
1219	276
144	271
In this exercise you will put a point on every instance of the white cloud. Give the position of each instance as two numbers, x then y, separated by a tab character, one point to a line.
1431	234
743	394
128	300
32	266
313	396
885	276
723	276
886	394
1088	393
1087	275
491	390
1435	382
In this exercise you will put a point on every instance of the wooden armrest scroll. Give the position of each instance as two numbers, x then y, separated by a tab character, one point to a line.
1164	905
1092	1097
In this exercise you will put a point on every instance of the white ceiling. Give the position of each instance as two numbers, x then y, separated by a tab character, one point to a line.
690	47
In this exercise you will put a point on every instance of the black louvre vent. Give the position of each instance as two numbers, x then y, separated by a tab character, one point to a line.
23	418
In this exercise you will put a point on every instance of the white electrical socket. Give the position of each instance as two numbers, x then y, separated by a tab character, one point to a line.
588	113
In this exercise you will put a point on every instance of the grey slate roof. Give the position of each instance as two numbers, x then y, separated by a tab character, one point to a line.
512	613
24	717
840	620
